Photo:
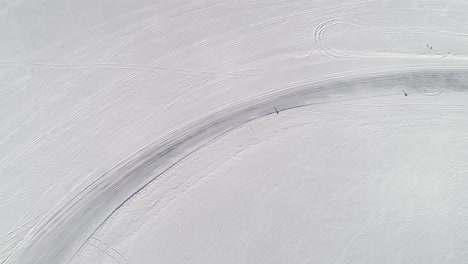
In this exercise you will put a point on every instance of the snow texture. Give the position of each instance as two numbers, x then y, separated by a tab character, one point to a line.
233	131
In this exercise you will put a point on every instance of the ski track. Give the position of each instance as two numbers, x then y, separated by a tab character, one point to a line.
123	36
65	230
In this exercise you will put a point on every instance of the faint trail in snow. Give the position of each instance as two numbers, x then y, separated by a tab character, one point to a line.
104	251
135	29
4	10
119	66
65	230
108	250
433	89
18	230
320	29
422	6
131	30
13	198
15	236
123	41
27	110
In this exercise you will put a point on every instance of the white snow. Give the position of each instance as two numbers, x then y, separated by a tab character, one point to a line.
148	132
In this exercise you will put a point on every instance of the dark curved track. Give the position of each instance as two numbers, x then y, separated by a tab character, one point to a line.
63	232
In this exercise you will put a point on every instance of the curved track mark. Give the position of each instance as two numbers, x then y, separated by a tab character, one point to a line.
67	228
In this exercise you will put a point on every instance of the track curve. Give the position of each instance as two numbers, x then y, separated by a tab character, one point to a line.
62	233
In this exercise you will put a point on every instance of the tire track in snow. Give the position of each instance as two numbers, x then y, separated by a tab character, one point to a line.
319	35
142	26
135	30
21	150
67	77
132	30
64	231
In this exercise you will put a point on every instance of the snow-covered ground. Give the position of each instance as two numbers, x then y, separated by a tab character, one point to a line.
233	131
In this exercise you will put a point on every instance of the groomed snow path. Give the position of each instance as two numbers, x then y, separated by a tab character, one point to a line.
233	131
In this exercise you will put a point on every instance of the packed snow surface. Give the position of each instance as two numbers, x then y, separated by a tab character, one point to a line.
233	131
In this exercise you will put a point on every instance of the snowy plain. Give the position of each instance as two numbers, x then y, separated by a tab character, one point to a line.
233	131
